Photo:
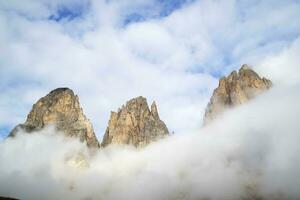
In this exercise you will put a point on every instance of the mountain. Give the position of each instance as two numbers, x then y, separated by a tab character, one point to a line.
135	124
60	108
235	89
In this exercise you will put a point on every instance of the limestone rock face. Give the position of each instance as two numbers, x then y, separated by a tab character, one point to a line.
235	89
60	108
135	124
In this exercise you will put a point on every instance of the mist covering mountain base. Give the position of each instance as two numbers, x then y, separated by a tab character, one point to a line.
249	152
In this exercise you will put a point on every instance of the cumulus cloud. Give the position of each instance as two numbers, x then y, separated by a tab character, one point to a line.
175	58
171	53
249	151
283	67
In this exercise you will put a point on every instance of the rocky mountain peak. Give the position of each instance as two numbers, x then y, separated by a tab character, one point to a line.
135	124
245	67
154	111
60	108
235	89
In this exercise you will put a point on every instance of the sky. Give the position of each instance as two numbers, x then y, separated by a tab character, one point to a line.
249	152
173	52
109	51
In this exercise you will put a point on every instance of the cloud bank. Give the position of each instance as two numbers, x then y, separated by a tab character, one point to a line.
251	151
111	51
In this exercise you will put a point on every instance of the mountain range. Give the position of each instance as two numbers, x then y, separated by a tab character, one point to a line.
135	123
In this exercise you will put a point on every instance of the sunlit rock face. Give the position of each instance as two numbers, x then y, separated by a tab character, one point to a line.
235	89
135	124
60	108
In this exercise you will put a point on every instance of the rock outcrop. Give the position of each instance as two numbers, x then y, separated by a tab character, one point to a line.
135	124
60	108
235	89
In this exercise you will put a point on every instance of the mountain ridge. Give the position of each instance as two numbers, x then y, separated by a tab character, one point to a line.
235	89
135	123
61	108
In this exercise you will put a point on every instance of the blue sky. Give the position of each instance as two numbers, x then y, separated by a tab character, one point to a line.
173	52
68	14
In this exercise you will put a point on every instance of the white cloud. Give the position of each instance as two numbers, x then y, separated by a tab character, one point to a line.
244	152
283	67
106	63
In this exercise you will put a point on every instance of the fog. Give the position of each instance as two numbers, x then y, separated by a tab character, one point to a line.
249	152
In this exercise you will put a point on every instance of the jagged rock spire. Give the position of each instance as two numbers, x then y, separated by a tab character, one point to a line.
135	124
60	108
154	111
235	89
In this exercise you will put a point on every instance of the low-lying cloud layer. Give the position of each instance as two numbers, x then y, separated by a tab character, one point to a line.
250	151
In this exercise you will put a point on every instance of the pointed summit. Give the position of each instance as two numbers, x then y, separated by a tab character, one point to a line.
154	111
134	124
245	67
60	108
235	89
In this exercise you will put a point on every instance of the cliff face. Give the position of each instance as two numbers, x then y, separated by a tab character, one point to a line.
235	89
60	108
135	124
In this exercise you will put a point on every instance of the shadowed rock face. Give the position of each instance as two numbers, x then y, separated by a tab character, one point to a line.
135	124
235	89
60	108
